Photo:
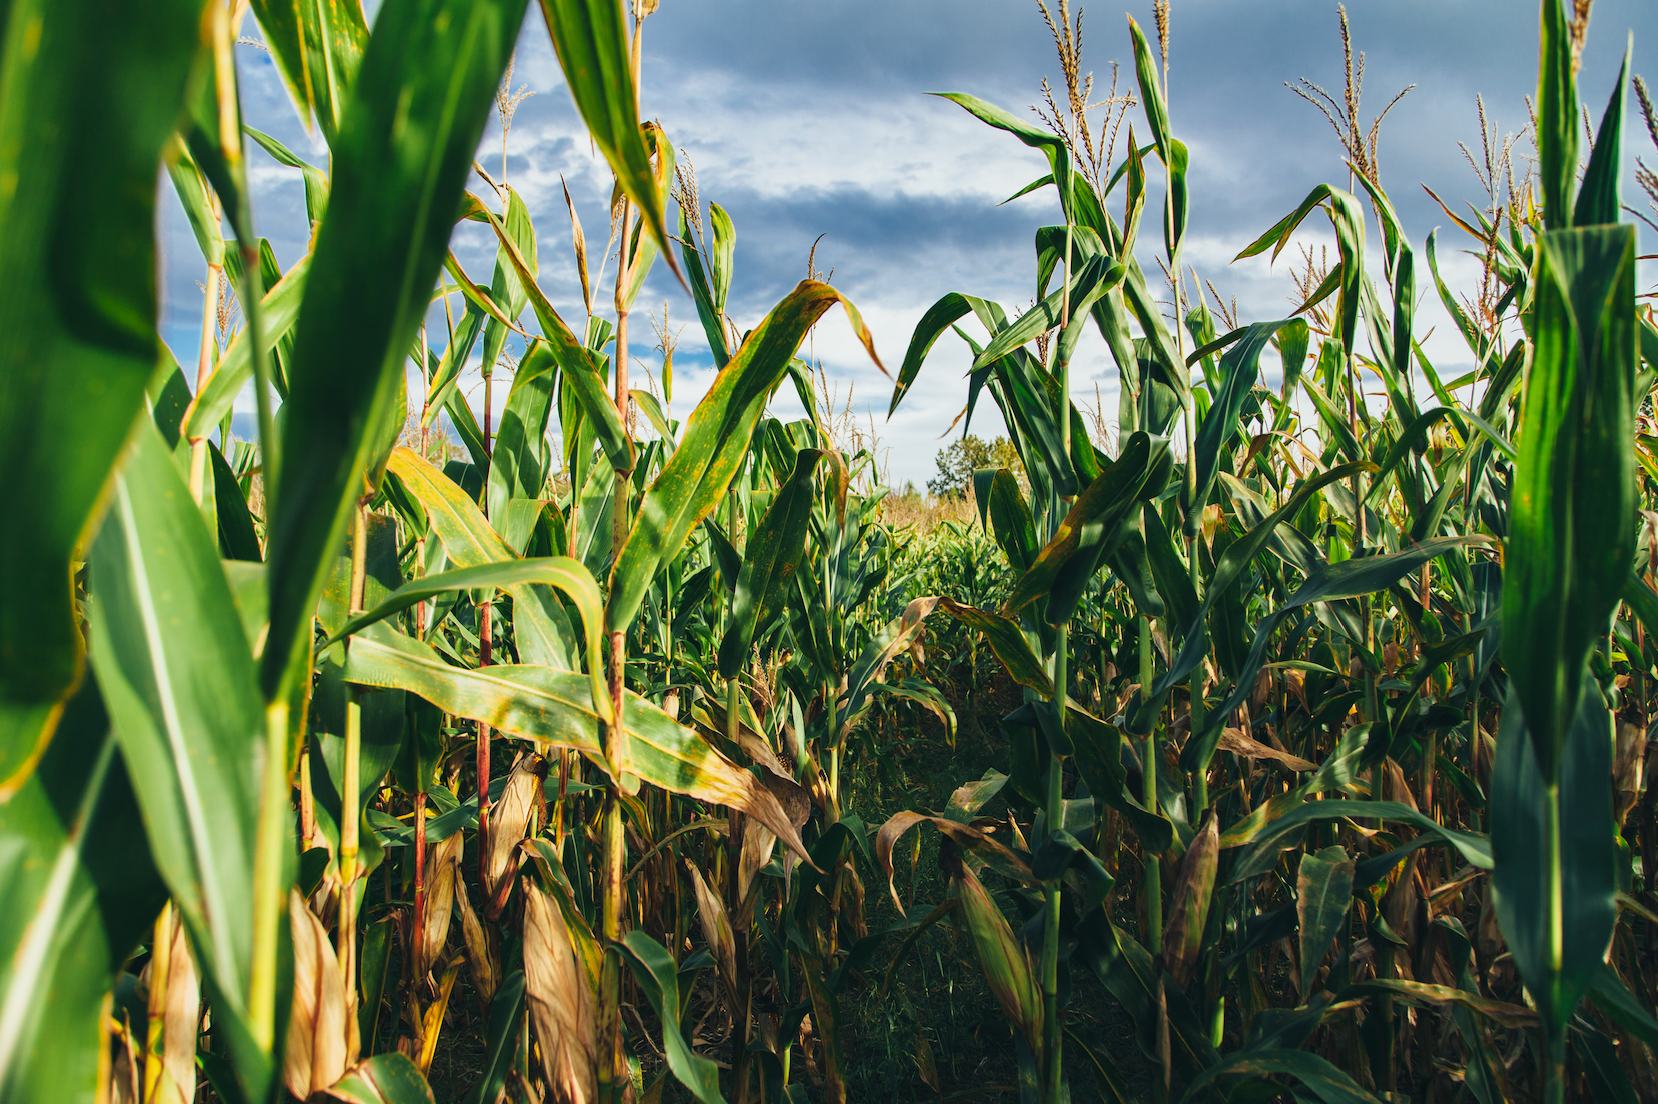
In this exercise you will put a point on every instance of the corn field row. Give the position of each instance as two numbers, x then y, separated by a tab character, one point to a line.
1318	717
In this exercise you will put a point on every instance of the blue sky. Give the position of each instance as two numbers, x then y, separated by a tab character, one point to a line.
813	119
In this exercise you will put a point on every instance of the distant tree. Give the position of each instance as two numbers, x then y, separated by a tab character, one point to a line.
957	464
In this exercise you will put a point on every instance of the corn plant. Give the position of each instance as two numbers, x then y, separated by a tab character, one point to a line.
1327	762
1375	512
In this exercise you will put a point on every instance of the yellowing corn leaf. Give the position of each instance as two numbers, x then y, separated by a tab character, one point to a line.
556	708
432	1024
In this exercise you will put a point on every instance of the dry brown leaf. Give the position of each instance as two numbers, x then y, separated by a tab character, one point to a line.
480	949
181	1017
317	1054
759	842
1397	788
443	868
509	817
716	929
1238	743
1629	768
561	1002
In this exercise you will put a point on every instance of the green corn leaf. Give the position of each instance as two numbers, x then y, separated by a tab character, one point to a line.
541	630
1570	537
883	645
591	40
82	889
1613	997
769	562
1151	90
1062	851
1037	138
238	540
1347	219
1323	893
1320	1078
1164	357
1423	994
937	318
713	325
1403	273
1239	369
1266	833
279	310
316	181
1008	642
582	372
521	460
1098	753
318	47
714	442
555	708
390	1078
1177	206
93	93
1588	854
658	977
444	379
1557	116
1089	530
1477	341
193	194
1599	202
515	576
1231	566
506	1011
169	395
1098	276
182	691
506	288
1027	397
1642	601
395	192
1003	511
1131	563
1331	583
